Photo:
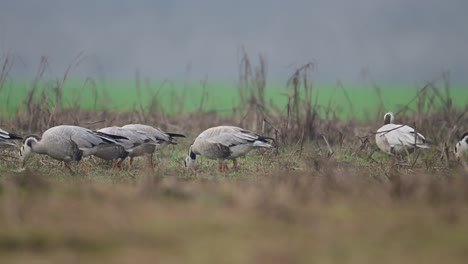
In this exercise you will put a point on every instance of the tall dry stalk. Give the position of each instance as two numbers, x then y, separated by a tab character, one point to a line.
252	83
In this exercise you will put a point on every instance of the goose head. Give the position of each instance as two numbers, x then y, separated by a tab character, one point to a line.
461	147
388	118
26	149
190	161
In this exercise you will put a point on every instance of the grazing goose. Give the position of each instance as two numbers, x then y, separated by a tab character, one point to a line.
397	139
225	142
159	137
462	146
56	146
5	138
86	140
132	145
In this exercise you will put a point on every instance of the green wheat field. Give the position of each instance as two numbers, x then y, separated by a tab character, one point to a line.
348	100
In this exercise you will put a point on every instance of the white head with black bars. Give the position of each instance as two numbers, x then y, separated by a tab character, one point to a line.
388	118
190	161
461	147
26	149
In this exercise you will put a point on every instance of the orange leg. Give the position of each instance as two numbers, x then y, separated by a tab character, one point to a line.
225	166
116	164
92	160
222	166
130	163
66	165
119	163
150	160
234	166
84	166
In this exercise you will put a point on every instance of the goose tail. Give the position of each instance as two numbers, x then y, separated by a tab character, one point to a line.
175	135
261	144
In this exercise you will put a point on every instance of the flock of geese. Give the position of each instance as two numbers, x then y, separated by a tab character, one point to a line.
71	143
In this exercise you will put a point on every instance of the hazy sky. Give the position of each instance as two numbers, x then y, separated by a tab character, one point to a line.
394	39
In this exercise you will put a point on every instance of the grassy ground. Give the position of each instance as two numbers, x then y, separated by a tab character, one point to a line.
349	100
285	207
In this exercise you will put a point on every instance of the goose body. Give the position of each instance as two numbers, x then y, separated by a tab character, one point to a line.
225	142
66	143
6	137
397	139
159	139
86	139
156	134
134	144
56	146
461	147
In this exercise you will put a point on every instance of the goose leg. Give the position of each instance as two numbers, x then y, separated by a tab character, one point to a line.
130	162
234	166
119	163
150	162
225	166
84	166
93	160
115	164
67	166
220	166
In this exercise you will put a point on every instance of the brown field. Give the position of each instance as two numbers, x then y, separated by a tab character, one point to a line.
323	195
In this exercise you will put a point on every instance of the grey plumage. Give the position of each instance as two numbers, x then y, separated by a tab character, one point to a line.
55	146
131	145
156	134
159	139
86	139
65	143
225	142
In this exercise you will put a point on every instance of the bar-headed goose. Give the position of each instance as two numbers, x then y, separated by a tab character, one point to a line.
225	142
397	139
56	146
66	143
133	145
6	137
159	139
462	146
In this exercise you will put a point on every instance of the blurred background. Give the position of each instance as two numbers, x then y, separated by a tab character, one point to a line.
347	40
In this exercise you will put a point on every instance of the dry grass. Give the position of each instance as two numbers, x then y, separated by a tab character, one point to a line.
301	210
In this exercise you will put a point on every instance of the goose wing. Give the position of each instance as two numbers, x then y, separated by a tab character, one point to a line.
156	134
234	139
83	137
132	137
6	142
403	135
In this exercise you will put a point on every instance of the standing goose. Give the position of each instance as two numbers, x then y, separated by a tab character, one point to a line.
159	140
66	143
397	139
5	138
225	142
129	146
462	146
